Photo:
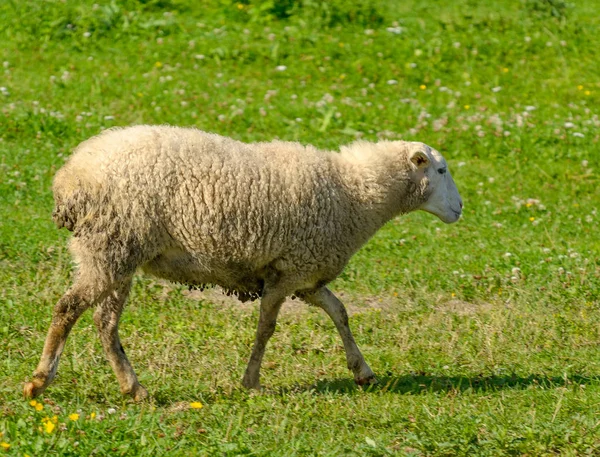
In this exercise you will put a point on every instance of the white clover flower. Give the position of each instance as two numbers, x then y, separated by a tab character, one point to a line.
569	125
496	89
280	68
395	30
578	134
392	82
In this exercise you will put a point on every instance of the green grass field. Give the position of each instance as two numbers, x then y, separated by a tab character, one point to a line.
484	334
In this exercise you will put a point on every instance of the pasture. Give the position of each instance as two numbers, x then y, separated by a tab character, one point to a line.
483	334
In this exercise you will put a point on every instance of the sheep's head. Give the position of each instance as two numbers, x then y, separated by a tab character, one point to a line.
430	170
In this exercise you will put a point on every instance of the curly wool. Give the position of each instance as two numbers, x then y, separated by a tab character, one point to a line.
198	208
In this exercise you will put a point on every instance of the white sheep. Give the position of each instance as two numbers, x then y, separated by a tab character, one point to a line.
263	219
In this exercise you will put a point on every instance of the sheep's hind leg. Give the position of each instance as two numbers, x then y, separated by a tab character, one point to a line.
270	305
73	303
325	299
106	317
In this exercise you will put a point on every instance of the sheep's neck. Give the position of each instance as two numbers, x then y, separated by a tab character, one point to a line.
377	192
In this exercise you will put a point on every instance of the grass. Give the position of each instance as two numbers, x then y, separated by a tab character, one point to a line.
484	334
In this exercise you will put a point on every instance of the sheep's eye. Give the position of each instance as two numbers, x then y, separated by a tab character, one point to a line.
441	171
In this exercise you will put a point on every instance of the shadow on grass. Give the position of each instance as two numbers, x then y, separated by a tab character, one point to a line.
423	383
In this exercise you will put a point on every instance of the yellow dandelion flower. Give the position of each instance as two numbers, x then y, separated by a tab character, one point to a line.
49	426
341	45
505	70
531	219
74	417
467	106
422	87
587	92
158	64
196	405
240	6
528	205
39	407
5	445
92	415
453	294
33	403
580	87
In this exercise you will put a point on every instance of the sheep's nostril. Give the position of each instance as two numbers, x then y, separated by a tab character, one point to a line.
460	205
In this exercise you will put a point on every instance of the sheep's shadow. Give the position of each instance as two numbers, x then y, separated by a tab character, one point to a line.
416	384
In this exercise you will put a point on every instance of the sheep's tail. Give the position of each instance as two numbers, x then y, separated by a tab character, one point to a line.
73	199
66	212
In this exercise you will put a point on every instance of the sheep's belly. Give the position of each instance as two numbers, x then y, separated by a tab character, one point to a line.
181	267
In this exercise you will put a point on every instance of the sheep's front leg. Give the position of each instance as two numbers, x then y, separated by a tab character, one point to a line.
106	317
66	312
325	299
269	309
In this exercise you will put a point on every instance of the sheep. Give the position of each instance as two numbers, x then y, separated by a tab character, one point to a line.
268	220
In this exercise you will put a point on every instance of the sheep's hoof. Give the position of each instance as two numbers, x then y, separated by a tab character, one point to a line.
138	393
366	381
251	384
30	390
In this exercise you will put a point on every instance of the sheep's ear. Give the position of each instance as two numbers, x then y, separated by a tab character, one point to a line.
419	158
